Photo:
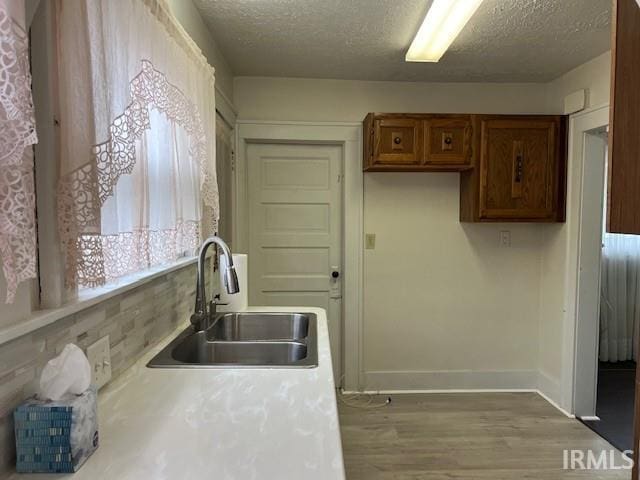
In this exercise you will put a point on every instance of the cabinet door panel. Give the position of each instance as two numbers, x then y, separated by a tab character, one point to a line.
397	142
447	141
517	163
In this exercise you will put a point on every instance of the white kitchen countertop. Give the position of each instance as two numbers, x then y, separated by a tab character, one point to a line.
223	424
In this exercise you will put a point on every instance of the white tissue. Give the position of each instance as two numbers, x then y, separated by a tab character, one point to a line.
68	373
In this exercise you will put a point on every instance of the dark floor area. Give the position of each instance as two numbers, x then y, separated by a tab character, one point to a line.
616	391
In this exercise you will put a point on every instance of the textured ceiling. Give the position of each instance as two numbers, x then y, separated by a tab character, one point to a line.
505	41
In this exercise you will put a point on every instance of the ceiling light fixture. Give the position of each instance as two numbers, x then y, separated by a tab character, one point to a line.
444	21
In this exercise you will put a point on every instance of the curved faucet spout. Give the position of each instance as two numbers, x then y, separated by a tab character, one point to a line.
229	275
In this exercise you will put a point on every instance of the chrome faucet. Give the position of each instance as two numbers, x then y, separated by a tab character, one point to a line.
203	313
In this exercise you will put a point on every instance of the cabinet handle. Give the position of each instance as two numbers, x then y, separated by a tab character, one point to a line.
518	169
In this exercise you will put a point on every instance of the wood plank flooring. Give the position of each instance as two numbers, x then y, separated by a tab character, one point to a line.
484	436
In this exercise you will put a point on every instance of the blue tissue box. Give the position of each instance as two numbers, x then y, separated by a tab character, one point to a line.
56	437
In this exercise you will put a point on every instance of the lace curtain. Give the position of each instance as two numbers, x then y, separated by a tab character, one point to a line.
137	122
620	298
17	134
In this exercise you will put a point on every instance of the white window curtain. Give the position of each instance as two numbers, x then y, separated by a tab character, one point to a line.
620	298
17	134
137	120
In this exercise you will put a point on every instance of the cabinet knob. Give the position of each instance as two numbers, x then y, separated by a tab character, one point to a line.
335	274
397	140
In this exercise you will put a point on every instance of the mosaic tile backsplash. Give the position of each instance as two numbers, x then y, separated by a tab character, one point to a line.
135	321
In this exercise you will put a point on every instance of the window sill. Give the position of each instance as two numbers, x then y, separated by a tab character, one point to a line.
88	298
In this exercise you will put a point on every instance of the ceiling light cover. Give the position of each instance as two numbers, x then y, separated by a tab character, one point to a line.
442	24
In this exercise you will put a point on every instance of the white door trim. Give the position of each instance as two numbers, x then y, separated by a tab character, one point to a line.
349	136
588	289
578	360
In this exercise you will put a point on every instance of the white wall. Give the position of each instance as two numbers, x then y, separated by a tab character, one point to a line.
595	76
455	310
267	98
560	250
188	15
445	306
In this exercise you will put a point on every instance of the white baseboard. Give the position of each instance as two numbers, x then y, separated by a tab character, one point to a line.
452	390
558	407
549	386
549	389
593	418
450	381
463	381
475	390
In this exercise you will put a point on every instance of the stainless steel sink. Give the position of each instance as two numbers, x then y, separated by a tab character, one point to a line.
261	326
245	340
196	349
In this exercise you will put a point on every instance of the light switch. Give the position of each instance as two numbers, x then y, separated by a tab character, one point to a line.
370	241
99	355
505	238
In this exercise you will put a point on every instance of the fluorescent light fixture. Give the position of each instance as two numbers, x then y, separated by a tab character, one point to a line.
444	21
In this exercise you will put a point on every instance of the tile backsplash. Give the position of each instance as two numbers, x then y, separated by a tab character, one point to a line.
134	320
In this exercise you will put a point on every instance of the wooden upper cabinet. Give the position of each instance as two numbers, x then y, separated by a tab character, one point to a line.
513	167
624	125
417	142
519	172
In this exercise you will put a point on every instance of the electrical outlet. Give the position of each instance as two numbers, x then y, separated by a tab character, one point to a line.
99	355
505	238
370	241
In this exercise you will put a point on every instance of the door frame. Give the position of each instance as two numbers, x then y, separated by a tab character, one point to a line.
349	137
589	274
581	330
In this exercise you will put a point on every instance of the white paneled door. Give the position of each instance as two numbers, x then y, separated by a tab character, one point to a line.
295	230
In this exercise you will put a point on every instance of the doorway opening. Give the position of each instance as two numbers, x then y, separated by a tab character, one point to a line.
615	302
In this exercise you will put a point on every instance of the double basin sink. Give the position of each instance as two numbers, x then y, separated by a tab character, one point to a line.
245	340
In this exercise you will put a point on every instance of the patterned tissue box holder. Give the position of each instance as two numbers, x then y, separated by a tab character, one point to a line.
56	437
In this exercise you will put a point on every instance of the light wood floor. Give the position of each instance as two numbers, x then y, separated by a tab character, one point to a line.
493	436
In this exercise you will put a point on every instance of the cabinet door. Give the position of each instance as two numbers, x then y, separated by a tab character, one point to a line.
397	142
624	126
518	165
447	141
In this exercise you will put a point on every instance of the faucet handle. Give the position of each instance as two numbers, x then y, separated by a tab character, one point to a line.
214	304
216	298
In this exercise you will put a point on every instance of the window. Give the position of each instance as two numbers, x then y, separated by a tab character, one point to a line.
134	185
137	126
